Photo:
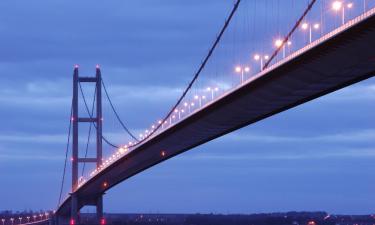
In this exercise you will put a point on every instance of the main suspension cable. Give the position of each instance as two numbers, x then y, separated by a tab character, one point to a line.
196	75
287	37
66	155
115	112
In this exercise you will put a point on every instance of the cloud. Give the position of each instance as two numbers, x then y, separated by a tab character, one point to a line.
30	157
353	136
31	138
295	154
48	93
358	92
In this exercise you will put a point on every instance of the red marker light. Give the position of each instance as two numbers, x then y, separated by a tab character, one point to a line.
72	222
163	153
105	184
102	221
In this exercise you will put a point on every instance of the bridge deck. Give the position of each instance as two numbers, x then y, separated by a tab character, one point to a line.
340	58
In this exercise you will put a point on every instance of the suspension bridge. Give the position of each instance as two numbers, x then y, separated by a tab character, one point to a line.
329	45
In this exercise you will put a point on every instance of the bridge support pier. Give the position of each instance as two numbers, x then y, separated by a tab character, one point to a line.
74	211
99	211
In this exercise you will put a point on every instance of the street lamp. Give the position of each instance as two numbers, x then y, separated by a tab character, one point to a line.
34	218
310	27
20	218
212	90
165	122
280	43
12	220
192	104
242	71
179	113
3	221
28	219
289	44
200	98
260	58
339	5
187	105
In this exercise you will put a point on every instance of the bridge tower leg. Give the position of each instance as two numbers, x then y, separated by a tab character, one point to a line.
97	119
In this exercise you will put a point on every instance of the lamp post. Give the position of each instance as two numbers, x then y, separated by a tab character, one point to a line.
280	43
192	104
339	5
165	122
289	44
3	221
260	58
242	71
187	105
310	27
20	219
28	219
212	90
200	98
34	218
12	221
178	112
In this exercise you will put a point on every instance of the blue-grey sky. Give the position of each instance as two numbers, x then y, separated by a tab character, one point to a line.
318	156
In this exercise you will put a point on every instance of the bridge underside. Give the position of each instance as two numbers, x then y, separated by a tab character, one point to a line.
344	59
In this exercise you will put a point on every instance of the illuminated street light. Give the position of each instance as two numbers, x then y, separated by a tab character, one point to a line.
34	218
260	58
20	219
12	221
310	27
192	104
28	219
187	105
200	98
179	113
280	43
212	90
289	44
339	5
242	71
3	221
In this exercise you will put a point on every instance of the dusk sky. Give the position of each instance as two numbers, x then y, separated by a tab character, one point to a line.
317	156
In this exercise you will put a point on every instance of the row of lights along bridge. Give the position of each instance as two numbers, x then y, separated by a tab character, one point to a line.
199	100
27	219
